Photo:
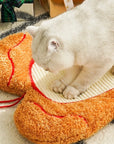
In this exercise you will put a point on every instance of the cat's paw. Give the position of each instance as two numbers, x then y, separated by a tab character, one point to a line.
70	92
58	86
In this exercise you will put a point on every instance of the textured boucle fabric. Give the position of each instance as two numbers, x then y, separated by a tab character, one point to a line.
15	56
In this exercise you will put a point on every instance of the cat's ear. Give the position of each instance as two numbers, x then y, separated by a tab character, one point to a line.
53	45
32	30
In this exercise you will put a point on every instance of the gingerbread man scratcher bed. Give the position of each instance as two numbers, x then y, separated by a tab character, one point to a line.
44	117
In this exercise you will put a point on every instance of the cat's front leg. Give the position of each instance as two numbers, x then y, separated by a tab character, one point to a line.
87	76
70	74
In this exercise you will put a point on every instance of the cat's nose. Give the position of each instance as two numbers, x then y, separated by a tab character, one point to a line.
46	69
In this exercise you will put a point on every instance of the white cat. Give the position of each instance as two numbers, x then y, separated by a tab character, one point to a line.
80	41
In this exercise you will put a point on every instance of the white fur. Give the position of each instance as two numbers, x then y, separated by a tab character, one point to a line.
80	41
104	136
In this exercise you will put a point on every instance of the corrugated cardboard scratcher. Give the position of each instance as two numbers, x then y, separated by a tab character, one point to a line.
43	116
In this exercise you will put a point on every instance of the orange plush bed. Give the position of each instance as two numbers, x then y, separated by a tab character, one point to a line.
44	117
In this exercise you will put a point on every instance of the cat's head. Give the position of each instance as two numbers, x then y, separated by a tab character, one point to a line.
49	51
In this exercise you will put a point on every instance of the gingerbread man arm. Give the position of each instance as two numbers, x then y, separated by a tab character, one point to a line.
44	121
14	75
